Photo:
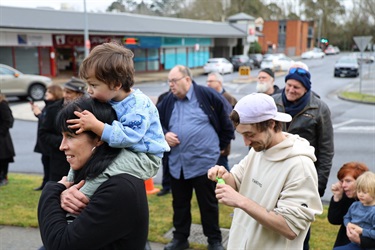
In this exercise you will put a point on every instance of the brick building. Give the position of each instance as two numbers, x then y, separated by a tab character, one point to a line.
292	37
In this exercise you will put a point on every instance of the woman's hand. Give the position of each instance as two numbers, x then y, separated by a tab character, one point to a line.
36	110
355	227
353	235
72	200
66	183
337	191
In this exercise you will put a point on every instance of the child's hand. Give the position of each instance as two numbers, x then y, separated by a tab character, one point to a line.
86	121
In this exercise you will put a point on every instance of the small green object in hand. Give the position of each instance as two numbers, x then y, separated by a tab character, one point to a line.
220	180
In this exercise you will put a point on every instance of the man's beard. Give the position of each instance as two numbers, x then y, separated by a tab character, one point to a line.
263	87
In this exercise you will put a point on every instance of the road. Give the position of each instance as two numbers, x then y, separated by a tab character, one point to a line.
354	124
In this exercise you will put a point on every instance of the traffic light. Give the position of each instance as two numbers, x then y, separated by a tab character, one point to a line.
324	40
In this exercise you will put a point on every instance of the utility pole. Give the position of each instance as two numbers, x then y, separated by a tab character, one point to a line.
86	31
320	28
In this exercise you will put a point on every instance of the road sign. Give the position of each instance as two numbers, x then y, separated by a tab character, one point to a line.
244	71
362	41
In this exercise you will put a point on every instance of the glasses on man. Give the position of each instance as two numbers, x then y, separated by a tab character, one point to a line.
174	81
299	71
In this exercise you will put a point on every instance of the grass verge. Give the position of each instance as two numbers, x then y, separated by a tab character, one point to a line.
358	97
18	206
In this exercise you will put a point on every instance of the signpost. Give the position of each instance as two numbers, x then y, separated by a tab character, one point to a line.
361	42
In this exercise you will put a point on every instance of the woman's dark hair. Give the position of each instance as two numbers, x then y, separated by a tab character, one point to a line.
103	154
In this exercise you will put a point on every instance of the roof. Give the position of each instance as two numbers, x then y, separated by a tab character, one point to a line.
112	23
240	17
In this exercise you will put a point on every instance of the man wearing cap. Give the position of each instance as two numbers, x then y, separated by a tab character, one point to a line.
51	136
274	188
311	119
266	80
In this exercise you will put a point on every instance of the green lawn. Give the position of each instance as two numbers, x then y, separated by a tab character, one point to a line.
18	206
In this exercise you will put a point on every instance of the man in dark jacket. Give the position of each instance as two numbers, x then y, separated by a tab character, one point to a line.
266	82
50	135
215	81
311	119
197	127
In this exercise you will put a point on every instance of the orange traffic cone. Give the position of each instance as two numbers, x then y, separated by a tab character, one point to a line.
150	189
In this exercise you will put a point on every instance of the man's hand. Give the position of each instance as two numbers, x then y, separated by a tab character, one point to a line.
227	195
72	200
172	139
217	171
86	122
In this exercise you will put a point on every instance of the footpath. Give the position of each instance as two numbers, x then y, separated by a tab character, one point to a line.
19	238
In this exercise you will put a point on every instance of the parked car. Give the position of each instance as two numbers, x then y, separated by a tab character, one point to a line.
314	53
337	50
277	62
257	58
242	60
15	83
346	66
330	50
365	57
220	65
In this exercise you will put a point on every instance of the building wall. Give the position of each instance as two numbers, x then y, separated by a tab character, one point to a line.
270	36
296	38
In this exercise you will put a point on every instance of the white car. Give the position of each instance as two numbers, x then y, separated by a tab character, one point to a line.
314	53
277	62
220	65
15	83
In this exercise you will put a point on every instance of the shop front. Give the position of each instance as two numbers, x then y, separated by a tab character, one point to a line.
30	53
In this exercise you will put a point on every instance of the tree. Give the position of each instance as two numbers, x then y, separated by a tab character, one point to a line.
255	48
116	6
204	10
274	12
169	8
331	11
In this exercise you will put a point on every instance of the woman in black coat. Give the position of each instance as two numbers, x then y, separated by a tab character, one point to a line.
344	194
6	145
116	216
53	94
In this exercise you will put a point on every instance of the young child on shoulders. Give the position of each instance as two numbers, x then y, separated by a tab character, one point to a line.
109	72
361	214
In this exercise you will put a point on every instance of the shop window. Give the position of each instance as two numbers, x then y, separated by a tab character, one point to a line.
139	59
152	59
6	56
27	60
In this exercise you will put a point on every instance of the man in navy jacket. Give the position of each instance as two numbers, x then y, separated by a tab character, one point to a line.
197	128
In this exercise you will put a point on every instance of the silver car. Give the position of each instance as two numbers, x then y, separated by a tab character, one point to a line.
15	83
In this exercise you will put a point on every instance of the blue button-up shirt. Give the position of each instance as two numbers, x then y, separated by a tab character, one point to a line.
199	143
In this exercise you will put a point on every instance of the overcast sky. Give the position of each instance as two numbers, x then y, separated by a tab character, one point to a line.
91	5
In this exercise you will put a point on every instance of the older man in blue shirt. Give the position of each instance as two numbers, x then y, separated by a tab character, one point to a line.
197	127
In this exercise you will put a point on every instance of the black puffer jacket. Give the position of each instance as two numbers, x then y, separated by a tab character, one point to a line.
314	124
